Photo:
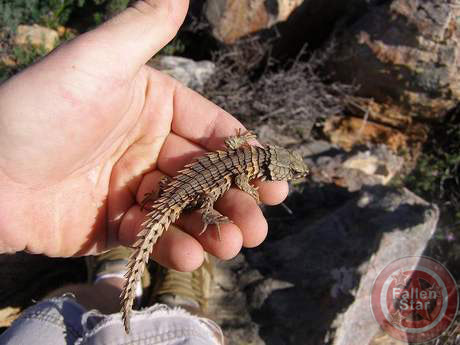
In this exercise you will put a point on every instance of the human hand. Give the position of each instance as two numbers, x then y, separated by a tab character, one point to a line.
87	131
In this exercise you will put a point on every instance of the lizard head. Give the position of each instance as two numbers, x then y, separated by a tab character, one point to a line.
285	165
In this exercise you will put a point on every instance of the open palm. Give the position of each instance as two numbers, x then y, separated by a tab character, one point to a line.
90	129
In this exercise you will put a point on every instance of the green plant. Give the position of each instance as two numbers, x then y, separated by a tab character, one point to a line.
437	174
437	179
26	55
176	46
115	6
23	56
51	13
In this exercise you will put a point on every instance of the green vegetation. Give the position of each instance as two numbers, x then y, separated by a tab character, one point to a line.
47	13
21	57
78	15
436	178
175	47
437	174
53	13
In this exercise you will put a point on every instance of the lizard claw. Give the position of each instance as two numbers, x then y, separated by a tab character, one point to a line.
147	198
216	219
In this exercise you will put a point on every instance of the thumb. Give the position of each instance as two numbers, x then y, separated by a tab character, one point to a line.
137	33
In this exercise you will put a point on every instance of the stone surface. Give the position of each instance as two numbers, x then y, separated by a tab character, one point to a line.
373	166
357	325
314	21
233	19
379	163
190	73
330	258
407	53
37	36
267	134
228	305
347	132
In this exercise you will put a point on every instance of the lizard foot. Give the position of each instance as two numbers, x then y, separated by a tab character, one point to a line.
213	217
238	140
149	197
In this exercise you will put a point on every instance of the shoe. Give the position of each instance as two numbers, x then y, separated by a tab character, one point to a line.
185	289
113	264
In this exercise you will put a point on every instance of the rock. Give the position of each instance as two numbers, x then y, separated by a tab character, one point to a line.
190	73
376	165
406	51
313	22
232	19
379	162
347	132
331	262
268	135
228	305
357	325
36	36
7	61
386	114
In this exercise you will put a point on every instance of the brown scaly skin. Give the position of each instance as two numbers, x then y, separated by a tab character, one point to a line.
198	186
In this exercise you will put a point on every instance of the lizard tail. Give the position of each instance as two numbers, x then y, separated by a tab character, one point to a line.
157	221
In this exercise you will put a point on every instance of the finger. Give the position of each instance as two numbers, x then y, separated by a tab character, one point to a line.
249	227
143	29
248	232
246	214
136	34
177	152
178	250
201	121
149	184
273	192
225	247
174	249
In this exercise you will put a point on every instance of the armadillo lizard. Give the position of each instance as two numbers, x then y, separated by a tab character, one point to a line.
198	186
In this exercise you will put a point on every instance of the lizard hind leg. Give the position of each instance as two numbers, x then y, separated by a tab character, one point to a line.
236	141
150	197
210	216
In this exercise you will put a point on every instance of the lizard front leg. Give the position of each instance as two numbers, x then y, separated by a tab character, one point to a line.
238	140
242	182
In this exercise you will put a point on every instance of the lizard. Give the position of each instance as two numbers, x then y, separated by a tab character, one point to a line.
198	186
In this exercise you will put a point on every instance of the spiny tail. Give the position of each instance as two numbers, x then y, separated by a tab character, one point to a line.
156	223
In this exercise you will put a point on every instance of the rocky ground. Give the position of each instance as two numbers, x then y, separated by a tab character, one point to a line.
359	103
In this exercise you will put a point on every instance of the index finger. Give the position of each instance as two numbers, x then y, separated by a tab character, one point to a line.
201	121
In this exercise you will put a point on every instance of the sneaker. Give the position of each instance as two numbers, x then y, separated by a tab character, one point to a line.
190	290
113	264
